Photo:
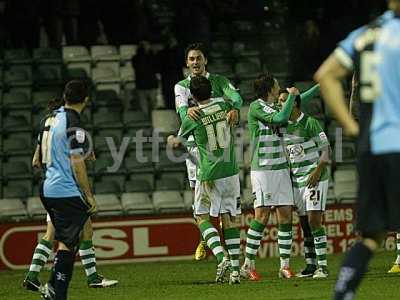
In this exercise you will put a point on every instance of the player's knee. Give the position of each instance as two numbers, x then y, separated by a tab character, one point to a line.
261	215
49	235
315	223
87	231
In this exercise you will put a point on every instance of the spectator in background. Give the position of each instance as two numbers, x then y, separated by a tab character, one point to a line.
171	62
146	67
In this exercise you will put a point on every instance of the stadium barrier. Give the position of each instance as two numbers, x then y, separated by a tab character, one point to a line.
129	239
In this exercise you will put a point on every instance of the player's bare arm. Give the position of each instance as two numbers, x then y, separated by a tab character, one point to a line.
194	113
315	175
80	173
232	117
329	75
36	158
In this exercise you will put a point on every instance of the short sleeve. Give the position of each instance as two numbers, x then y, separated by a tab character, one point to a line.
346	52
187	128
231	92
262	113
76	135
316	132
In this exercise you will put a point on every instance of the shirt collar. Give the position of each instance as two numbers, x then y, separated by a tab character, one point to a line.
207	75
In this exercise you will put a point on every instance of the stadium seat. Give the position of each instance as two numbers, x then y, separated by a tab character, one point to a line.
136	119
17	144
47	56
134	162
17	57
107	95
108	205
104	164
171	160
107	118
16	100
247	67
100	141
104	53
75	54
78	70
137	203
221	48
12	209
48	75
127	51
42	97
221	66
18	76
168	201
17	188
245	48
17	121
246	89
127	73
105	75
140	183
17	167
170	181
35	208
345	183
165	121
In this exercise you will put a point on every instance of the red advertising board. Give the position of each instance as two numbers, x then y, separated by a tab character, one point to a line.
166	237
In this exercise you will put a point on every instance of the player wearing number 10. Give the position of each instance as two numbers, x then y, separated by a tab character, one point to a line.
373	52
217	191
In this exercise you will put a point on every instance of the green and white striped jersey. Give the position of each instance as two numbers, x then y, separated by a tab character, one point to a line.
304	139
268	152
214	139
221	87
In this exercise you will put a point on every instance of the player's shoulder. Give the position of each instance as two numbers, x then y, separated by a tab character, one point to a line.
217	78
183	83
312	123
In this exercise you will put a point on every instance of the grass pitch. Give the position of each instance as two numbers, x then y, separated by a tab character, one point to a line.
194	280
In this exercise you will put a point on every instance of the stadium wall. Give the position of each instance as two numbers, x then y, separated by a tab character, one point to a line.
132	239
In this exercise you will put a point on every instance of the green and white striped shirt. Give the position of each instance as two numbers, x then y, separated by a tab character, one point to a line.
304	140
267	145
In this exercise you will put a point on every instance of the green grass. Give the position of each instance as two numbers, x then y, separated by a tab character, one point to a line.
193	280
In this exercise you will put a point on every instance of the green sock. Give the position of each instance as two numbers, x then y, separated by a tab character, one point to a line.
232	242
40	257
211	236
253	240
88	259
320	246
285	243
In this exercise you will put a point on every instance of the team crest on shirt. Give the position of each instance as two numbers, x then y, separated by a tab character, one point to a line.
80	136
295	151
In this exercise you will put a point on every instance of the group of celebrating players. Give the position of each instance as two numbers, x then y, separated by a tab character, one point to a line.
289	150
287	168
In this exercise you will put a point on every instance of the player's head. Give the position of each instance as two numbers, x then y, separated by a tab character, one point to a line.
200	88
283	95
266	86
196	58
76	92
394	5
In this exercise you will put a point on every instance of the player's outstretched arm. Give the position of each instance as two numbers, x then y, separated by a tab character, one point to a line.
284	115
309	94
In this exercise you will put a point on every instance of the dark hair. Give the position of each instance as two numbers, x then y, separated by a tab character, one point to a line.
297	100
263	84
54	104
283	91
200	88
196	46
75	91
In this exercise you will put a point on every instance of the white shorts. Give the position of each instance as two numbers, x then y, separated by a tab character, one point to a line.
191	166
272	187
223	197
308	199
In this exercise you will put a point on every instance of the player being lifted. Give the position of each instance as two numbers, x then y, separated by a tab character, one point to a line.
217	191
270	176
304	139
196	61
